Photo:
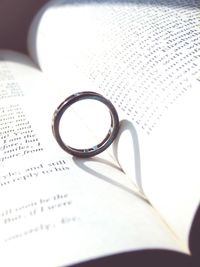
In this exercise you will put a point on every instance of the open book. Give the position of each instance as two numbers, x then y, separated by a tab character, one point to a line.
143	193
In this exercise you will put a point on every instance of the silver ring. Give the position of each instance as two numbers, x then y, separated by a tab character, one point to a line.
104	144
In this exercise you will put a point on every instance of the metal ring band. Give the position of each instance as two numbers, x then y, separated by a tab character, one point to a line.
104	144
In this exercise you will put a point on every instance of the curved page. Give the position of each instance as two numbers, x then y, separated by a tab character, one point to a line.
144	56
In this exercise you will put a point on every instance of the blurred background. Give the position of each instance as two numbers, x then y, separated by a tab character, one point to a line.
15	19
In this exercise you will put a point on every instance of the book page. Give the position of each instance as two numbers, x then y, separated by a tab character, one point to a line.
56	209
144	56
